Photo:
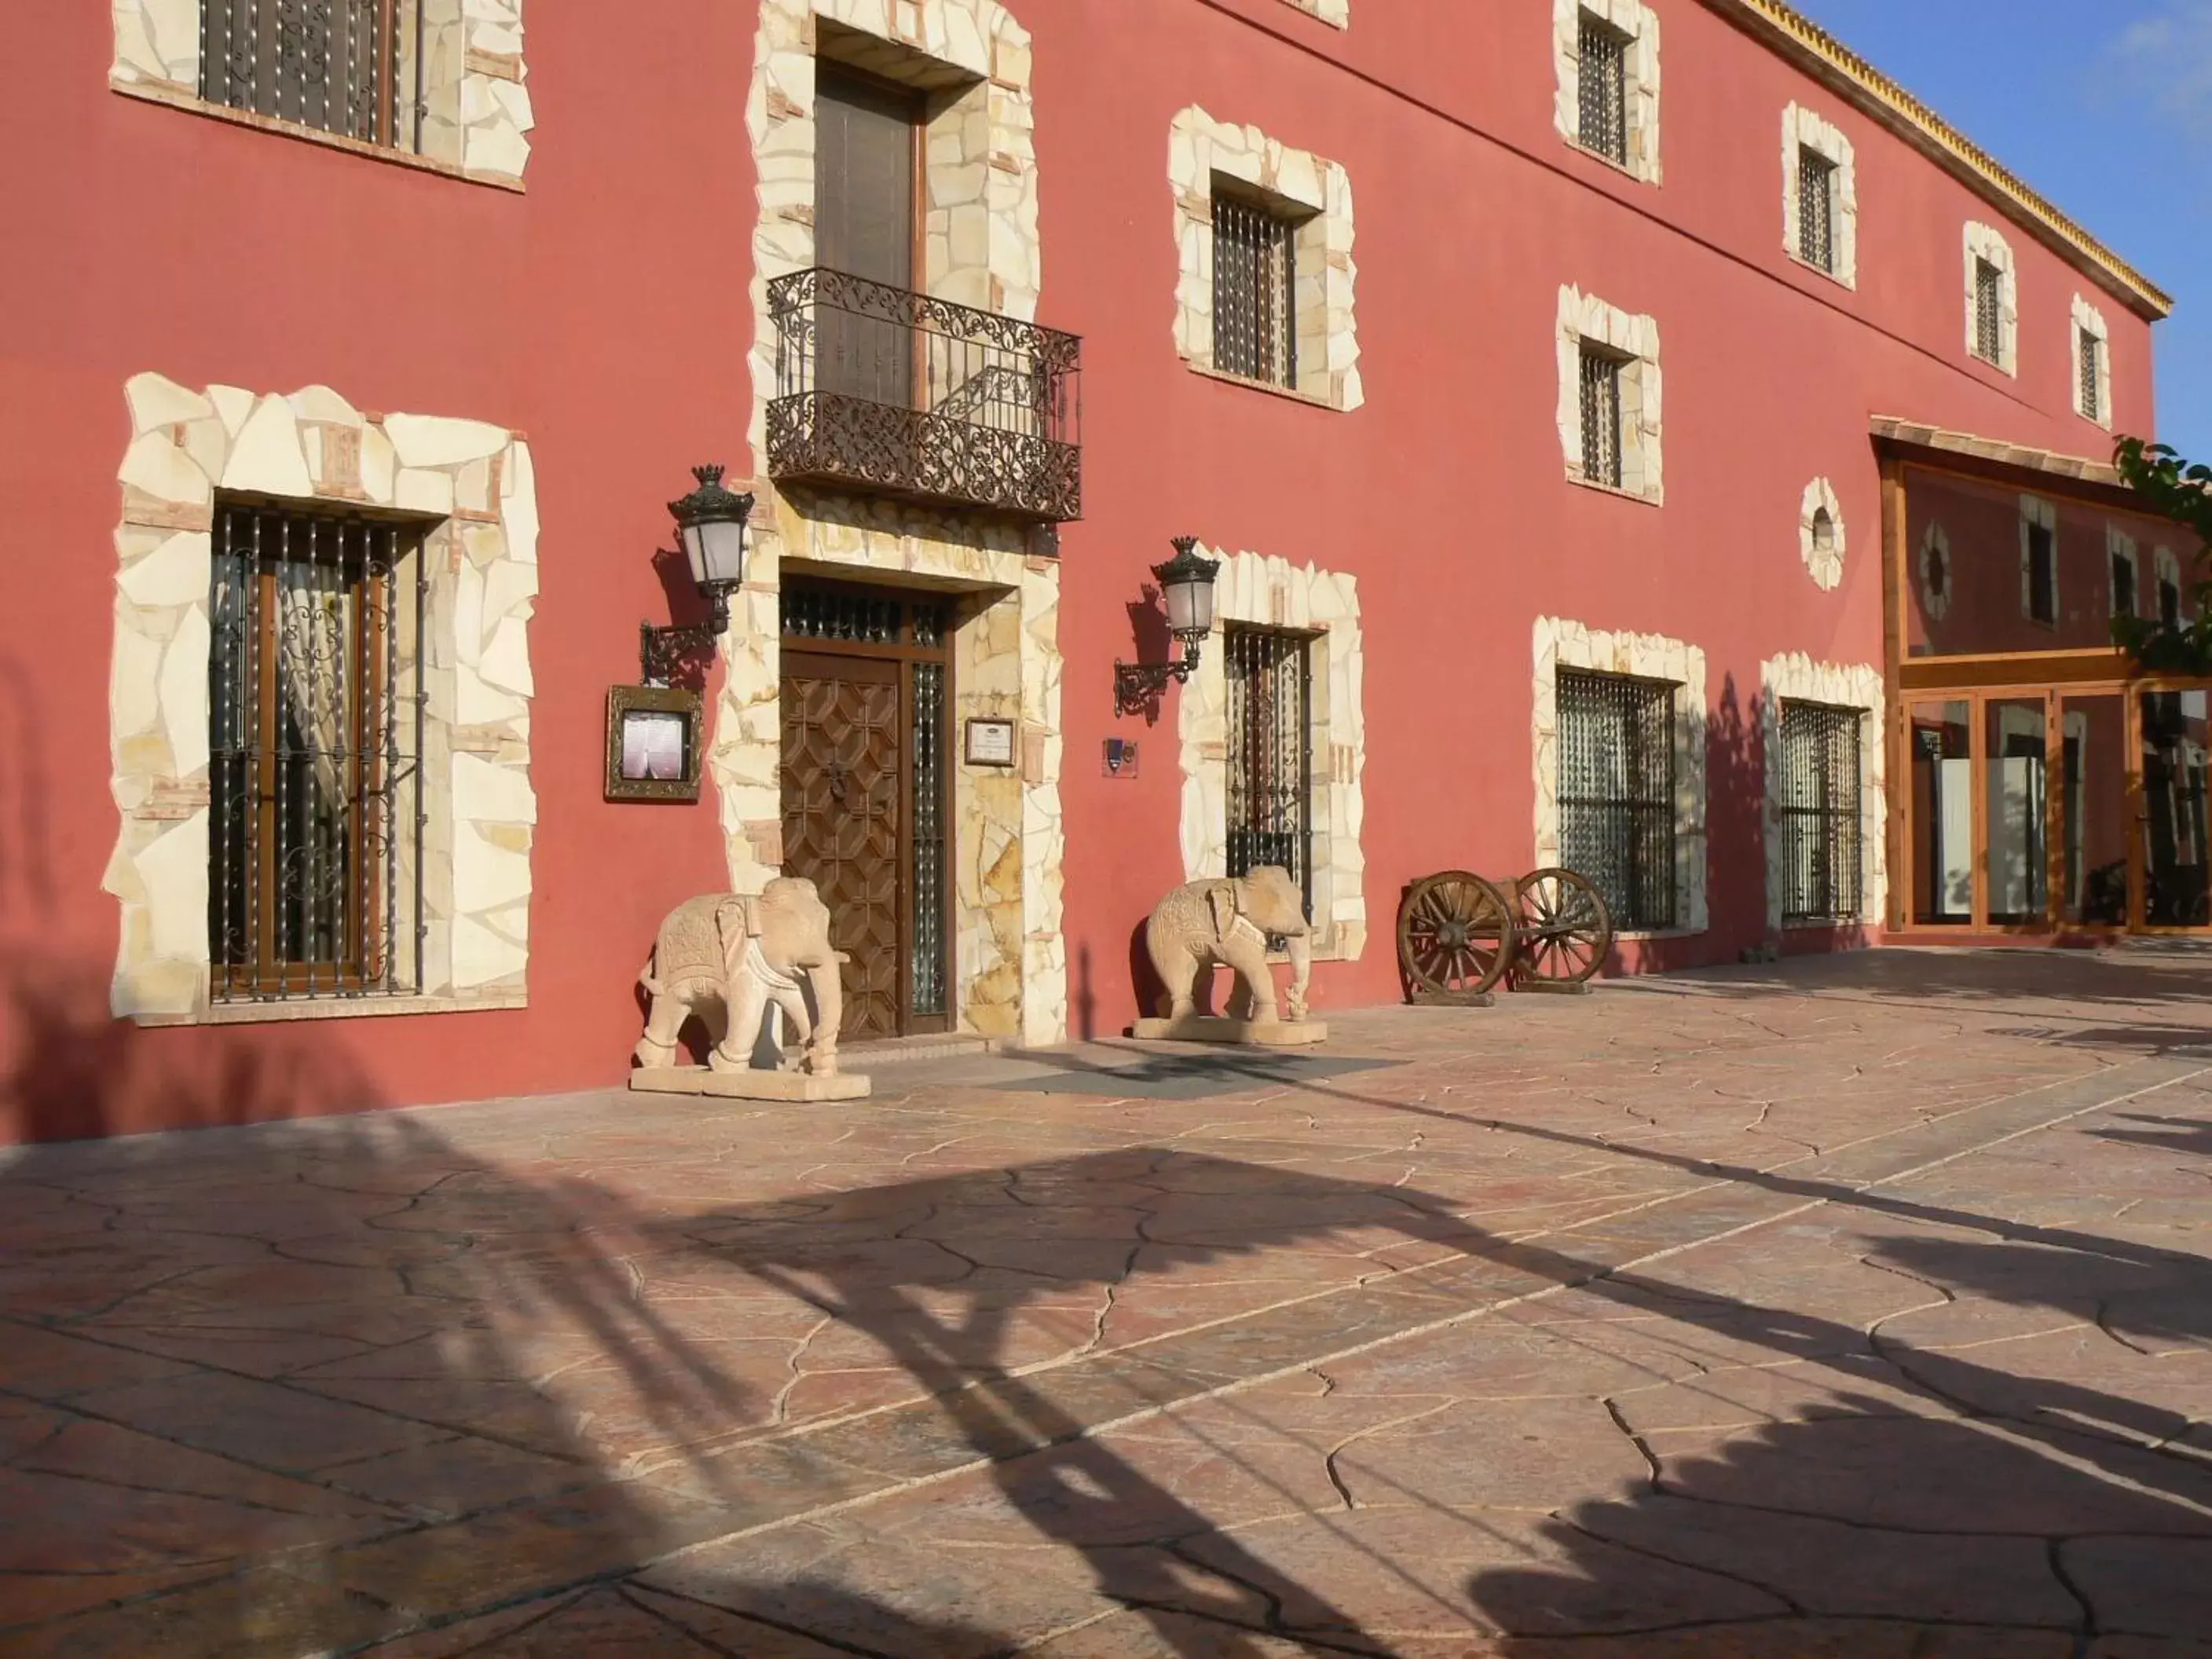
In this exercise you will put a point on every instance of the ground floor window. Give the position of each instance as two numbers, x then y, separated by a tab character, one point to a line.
1820	811
1270	780
1616	792
315	717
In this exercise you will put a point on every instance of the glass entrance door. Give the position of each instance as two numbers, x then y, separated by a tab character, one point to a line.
2173	732
2091	777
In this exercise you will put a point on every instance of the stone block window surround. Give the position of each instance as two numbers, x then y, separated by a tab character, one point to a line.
1797	678
1559	643
1605	64
434	83
2092	364
1609	397
1269	592
1821	534
1992	300
467	490
2039	561
1307	194
1335	13
1819	195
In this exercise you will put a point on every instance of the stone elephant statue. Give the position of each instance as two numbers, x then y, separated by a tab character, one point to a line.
726	958
1228	919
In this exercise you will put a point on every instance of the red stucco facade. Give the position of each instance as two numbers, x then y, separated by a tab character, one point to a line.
603	310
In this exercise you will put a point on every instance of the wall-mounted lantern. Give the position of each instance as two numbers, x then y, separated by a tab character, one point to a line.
1187	595
710	522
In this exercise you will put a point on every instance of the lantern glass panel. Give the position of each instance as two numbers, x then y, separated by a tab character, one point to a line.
716	550
1189	606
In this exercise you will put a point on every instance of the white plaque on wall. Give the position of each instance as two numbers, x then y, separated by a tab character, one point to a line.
990	743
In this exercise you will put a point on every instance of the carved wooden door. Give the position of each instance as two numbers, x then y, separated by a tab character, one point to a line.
843	795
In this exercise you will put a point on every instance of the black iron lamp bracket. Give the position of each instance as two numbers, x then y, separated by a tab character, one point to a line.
1139	686
662	650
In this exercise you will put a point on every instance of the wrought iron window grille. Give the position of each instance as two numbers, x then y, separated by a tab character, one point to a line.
1819	812
1989	313
1269	787
1602	372
350	67
316	715
897	393
1602	89
1816	209
1255	283
2091	353
1615	790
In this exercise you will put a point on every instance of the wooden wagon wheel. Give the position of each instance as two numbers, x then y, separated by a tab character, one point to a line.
1455	936
1565	929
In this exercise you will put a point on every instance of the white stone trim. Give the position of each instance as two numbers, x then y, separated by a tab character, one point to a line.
1803	130
1935	557
1586	317
1009	969
1824	564
1335	13
1272	592
1984	242
1559	643
2035	510
476	106
2118	545
481	561
1641	25
2090	320
1793	677
1200	148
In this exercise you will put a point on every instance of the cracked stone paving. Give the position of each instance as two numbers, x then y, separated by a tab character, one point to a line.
1853	1307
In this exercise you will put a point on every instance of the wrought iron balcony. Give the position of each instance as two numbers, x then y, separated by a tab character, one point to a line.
896	393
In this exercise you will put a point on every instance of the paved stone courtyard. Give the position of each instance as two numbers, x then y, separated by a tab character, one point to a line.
1852	1307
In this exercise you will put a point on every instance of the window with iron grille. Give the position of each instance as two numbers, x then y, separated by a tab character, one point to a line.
1603	89
1270	780
2091	353
1989	313
315	737
1254	289
2042	574
2124	586
1615	788
1601	374
1816	209
1819	808
337	65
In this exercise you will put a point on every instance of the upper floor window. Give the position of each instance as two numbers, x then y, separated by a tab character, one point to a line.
2168	571
2092	364
1608	395
1256	284
2039	561
1819	195
1992	300
1606	53
440	80
2122	551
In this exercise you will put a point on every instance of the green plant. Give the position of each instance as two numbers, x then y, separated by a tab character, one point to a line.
2182	491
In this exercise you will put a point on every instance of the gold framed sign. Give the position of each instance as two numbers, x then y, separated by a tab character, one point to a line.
990	743
654	742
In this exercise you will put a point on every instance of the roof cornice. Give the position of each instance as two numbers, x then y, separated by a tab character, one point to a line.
1836	65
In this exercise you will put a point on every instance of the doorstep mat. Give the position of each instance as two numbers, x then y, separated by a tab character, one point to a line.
1199	1075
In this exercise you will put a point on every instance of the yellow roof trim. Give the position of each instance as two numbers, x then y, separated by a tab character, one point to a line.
1798	37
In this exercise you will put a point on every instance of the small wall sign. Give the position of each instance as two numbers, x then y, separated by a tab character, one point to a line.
990	743
1121	757
653	749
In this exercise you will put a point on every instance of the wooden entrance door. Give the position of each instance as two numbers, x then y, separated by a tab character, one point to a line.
865	802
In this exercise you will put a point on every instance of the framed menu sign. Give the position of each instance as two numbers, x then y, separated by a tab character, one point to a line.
653	744
990	743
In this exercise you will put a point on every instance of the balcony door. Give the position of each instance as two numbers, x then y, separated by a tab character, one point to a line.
867	138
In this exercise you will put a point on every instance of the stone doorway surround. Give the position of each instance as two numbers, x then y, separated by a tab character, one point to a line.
1795	676
1270	592
472	483
981	249
1559	644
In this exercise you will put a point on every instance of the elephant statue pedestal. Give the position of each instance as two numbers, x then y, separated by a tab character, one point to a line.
726	960
1228	922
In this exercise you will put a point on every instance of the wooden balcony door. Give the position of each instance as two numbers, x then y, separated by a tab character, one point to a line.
867	177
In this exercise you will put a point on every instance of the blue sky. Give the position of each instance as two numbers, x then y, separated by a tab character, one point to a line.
2104	105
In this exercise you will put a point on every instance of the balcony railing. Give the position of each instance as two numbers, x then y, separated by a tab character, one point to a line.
901	394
